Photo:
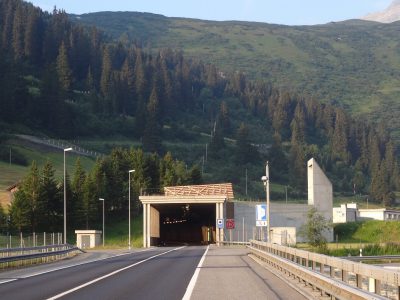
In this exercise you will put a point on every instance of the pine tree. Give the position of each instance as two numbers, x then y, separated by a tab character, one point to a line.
340	138
63	70
20	211
279	162
245	152
76	211
18	32
50	201
34	36
152	132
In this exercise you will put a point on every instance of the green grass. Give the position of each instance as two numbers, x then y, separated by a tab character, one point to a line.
372	232
10	174
117	232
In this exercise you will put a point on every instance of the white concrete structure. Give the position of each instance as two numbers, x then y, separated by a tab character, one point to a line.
215	195
88	238
320	193
382	214
345	213
285	236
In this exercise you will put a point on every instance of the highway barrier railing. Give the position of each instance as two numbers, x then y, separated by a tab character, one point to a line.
15	257
337	277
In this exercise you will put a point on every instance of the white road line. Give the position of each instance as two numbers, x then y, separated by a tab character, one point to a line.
110	274
192	283
7	280
70	266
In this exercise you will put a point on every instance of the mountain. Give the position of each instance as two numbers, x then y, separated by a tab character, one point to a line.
389	15
74	82
353	64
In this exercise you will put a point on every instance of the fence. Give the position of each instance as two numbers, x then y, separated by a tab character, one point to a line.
15	257
31	240
339	278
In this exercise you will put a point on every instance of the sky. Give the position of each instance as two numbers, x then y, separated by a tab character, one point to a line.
288	12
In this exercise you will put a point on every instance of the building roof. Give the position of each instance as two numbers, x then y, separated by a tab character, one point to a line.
13	186
223	189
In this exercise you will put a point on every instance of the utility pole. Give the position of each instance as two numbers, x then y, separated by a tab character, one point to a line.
286	192
246	181
268	204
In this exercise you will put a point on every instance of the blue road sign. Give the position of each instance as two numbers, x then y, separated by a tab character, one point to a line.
261	215
220	223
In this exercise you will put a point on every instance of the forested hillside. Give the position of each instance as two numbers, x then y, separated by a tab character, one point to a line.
353	64
67	80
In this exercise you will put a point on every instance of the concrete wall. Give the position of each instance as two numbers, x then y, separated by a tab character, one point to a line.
344	214
283	236
154	223
286	215
319	189
94	237
282	215
320	194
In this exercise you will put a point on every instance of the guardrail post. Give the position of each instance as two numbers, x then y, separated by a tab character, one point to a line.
374	286
359	280
345	276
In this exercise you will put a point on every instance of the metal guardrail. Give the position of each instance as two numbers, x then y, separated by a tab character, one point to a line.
380	257
339	278
22	256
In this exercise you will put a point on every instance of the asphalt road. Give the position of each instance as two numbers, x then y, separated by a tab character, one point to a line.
195	272
159	273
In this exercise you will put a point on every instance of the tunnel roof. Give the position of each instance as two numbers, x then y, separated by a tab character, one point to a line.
222	189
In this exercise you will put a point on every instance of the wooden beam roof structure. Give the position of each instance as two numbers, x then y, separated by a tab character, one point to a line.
222	189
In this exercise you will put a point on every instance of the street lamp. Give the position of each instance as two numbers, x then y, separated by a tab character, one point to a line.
65	199
265	180
129	209
102	199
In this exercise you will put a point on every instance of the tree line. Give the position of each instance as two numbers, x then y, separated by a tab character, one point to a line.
38	203
73	80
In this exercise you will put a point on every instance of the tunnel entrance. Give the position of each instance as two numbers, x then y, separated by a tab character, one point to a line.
189	223
185	214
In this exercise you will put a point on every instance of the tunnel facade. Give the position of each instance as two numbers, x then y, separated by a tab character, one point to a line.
185	215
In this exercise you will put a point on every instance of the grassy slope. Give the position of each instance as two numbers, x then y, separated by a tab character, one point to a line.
369	232
355	64
10	174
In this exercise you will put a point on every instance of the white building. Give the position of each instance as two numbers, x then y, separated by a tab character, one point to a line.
382	214
351	213
345	213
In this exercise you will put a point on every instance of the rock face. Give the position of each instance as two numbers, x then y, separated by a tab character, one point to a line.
389	15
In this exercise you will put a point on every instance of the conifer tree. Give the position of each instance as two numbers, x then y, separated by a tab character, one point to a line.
49	201
76	211
18	32
63	69
152	132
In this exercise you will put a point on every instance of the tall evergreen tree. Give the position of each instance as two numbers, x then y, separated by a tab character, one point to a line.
76	207
152	133
49	202
63	70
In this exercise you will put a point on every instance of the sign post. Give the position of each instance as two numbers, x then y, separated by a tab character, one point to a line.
230	224
261	215
265	180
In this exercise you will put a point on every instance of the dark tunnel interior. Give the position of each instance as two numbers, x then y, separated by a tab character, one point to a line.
190	224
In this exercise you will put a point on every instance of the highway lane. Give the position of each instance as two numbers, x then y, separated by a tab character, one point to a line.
159	273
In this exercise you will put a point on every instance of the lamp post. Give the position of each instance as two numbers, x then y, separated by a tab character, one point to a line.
102	199
265	179
65	198
129	210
